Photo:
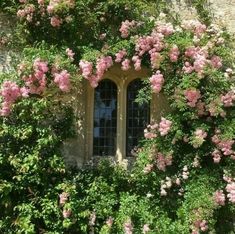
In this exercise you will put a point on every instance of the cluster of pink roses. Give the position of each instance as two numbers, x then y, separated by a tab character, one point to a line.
55	4
165	28
120	57
37	81
187	68
163	128
216	61
126	64
34	83
56	21
53	8
125	28
228	98
151	131
10	92
63	198
26	12
199	225
230	189
156	81
174	53
155	58
200	59
102	65
62	80
86	68
192	96
152	44
137	62
199	64
162	161
224	147
219	195
195	26
199	137
145	44
146	229
109	221
216	154
128	227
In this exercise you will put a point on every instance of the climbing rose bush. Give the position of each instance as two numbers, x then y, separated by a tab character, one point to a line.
183	178
191	65
36	78
32	12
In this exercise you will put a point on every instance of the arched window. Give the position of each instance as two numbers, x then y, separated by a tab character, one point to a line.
137	116
105	119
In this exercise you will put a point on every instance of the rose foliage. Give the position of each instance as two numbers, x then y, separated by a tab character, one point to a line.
183	180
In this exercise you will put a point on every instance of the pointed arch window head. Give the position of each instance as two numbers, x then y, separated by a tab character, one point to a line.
138	116
105	119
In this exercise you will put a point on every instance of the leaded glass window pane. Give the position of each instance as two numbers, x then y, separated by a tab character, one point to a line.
137	116
105	119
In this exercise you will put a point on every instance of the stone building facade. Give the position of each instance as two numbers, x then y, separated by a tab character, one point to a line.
82	149
90	137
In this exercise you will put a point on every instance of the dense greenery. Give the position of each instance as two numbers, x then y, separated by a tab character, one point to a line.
183	179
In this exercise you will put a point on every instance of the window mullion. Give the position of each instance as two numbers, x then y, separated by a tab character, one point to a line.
121	123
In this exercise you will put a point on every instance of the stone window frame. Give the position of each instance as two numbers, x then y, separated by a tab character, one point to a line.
122	80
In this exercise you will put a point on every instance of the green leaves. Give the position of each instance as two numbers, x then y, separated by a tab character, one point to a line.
32	170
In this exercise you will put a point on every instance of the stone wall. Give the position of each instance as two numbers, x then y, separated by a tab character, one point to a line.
223	11
6	25
74	150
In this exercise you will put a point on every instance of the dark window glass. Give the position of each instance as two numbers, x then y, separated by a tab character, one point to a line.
137	116
105	119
